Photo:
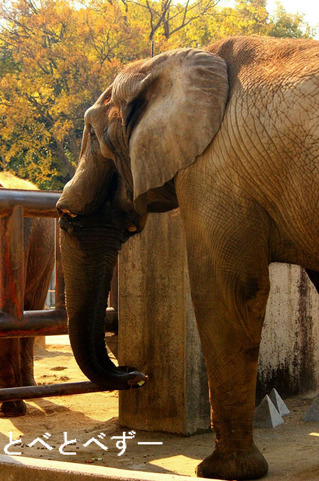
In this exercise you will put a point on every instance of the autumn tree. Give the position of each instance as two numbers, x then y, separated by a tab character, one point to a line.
165	17
56	61
284	24
247	17
56	57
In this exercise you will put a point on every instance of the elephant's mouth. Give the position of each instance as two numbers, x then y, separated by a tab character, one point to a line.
71	222
67	222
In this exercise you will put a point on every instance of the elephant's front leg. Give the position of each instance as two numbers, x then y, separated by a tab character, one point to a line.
228	267
231	357
229	323
10	375
27	361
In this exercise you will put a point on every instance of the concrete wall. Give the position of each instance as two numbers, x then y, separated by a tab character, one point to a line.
289	353
158	335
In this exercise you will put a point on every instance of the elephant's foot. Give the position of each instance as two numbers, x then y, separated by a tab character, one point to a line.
237	465
11	409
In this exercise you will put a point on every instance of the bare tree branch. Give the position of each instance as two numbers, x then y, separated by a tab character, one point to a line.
164	14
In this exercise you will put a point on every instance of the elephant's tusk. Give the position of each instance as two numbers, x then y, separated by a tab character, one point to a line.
62	212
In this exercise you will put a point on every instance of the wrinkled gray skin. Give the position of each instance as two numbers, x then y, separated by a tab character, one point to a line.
231	136
16	354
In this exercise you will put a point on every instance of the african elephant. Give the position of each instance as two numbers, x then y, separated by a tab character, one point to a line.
16	354
230	135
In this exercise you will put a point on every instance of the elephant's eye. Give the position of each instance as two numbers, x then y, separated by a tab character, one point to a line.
92	131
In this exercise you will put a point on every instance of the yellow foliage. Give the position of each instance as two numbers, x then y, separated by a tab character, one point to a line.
57	56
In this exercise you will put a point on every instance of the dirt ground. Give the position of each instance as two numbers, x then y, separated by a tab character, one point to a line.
291	449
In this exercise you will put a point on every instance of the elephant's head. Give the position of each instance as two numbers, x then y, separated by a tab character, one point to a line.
154	120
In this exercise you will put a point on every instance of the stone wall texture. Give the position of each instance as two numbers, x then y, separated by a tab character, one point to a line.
289	352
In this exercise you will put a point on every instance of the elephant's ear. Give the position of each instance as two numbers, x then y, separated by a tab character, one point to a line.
174	106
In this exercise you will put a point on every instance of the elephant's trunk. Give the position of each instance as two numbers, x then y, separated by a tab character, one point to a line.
89	248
